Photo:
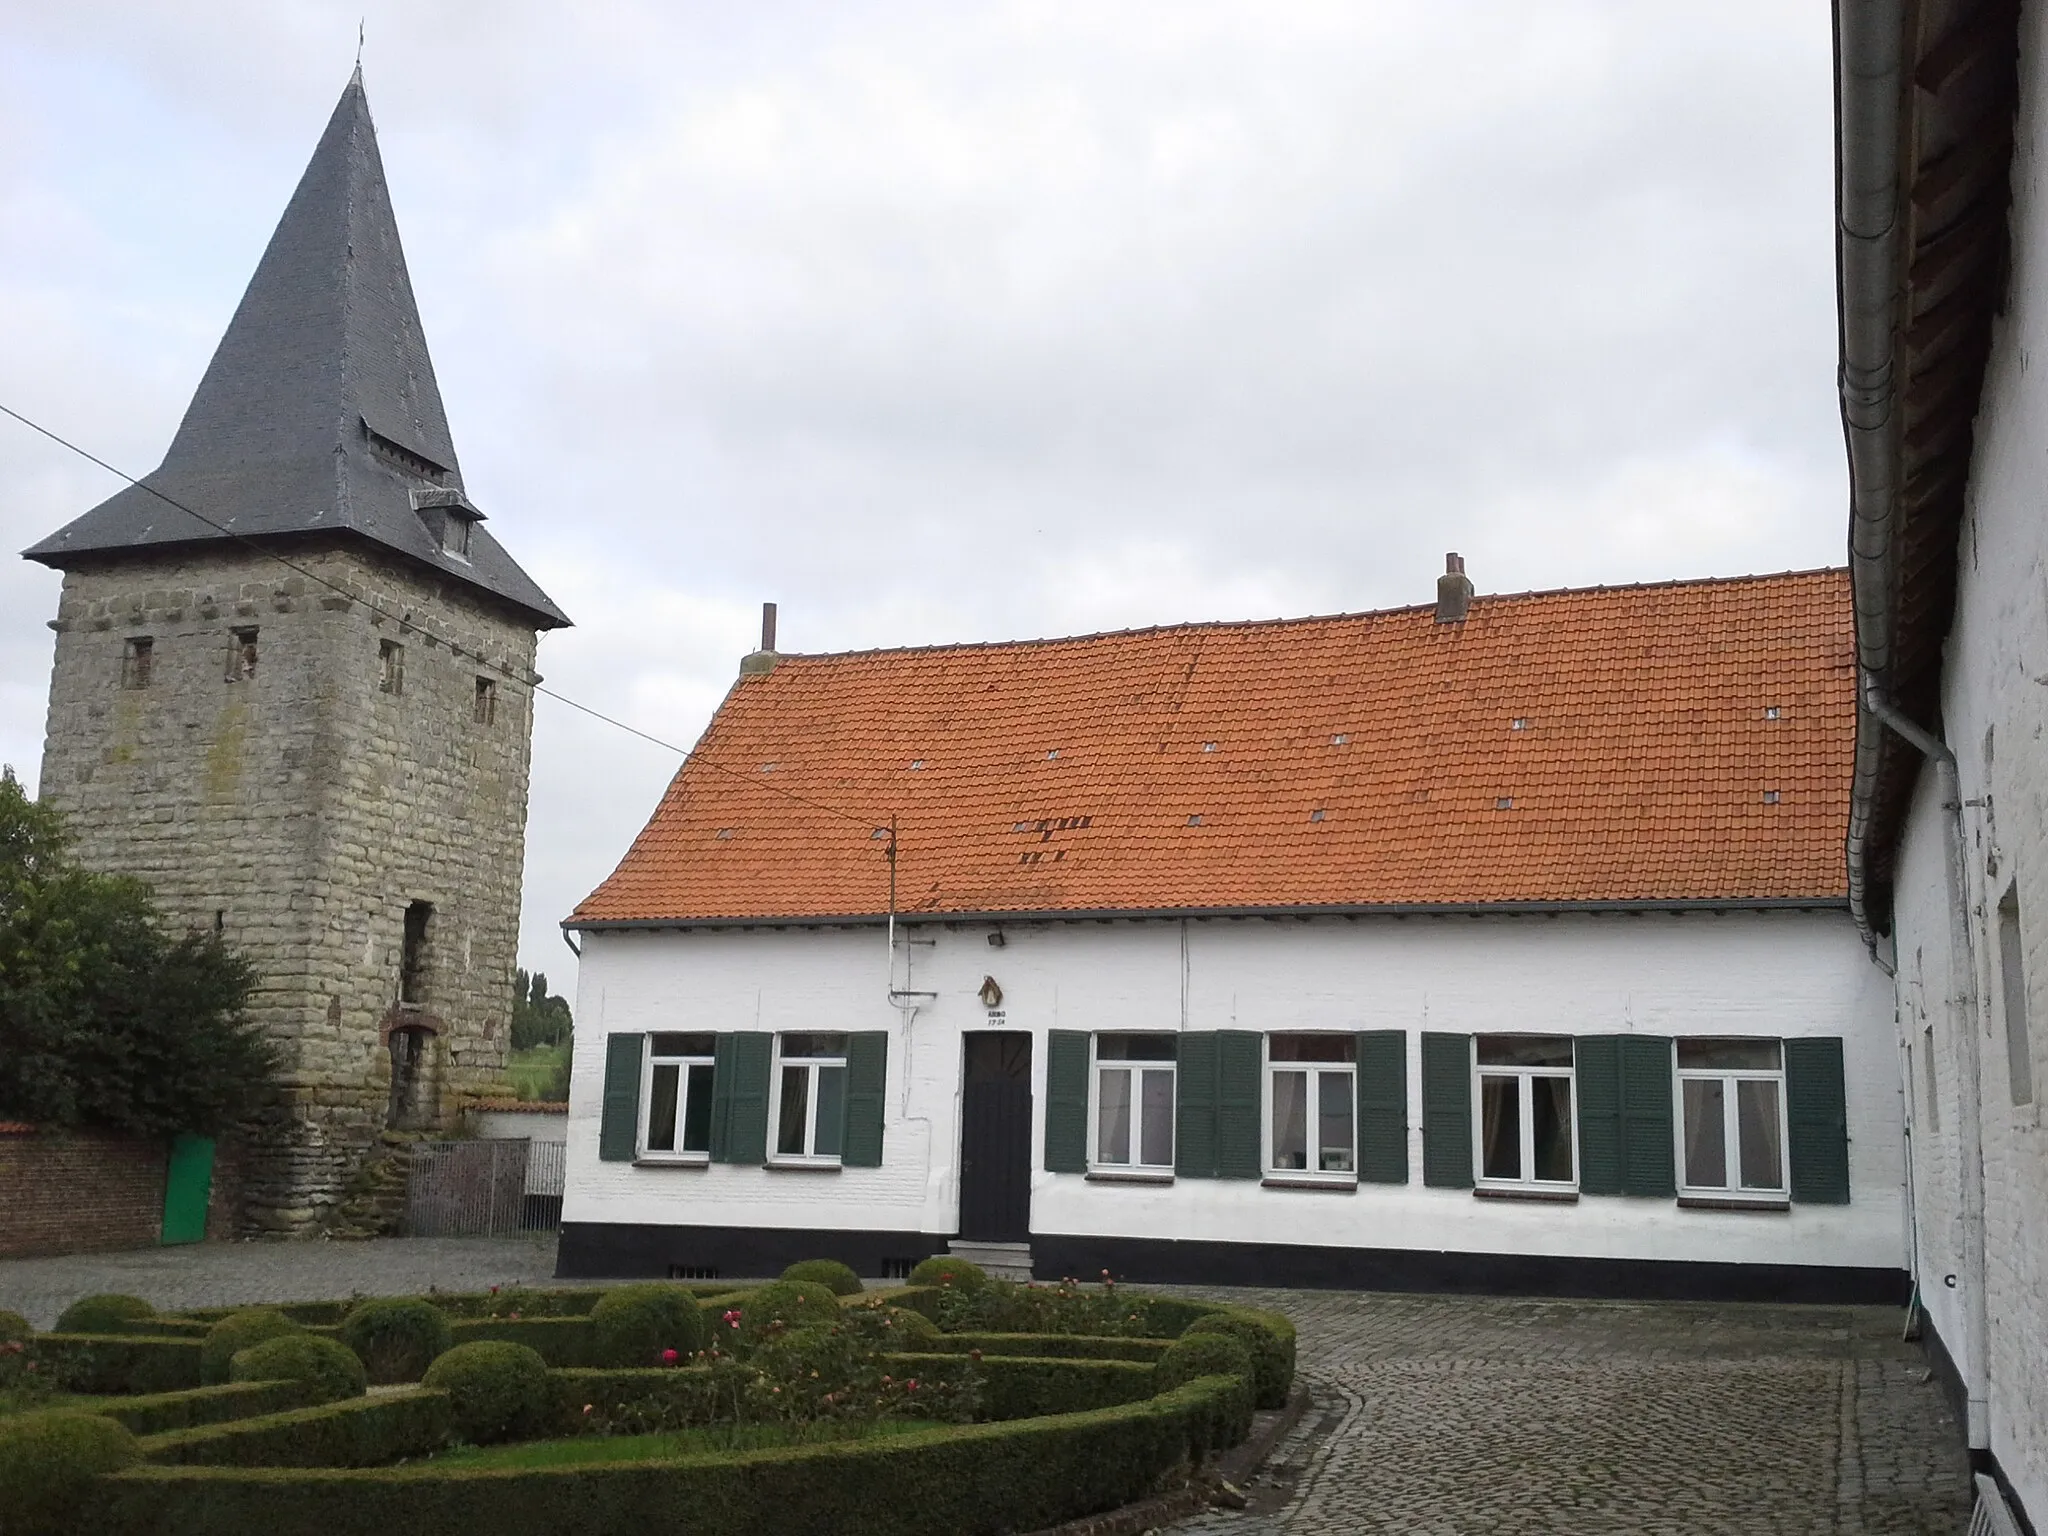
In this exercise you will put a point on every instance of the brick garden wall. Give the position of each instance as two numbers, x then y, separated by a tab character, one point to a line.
83	1192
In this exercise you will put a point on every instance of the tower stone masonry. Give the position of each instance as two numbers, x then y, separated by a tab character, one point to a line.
293	692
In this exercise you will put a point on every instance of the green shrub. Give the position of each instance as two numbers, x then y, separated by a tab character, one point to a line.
1049	1346
634	1402
1268	1338
954	1274
102	1314
496	1391
1205	1354
14	1336
636	1325
561	1341
517	1302
235	1333
329	1369
362	1432
1003	1306
161	1412
46	1462
891	1328
1026	1389
838	1277
14	1328
78	1362
396	1338
970	1480
1168	1317
791	1303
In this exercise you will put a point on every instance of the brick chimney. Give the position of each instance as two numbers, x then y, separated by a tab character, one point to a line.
1453	591
754	663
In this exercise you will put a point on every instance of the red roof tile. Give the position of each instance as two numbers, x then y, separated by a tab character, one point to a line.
1184	768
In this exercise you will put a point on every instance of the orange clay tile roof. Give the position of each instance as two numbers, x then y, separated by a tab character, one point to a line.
1608	745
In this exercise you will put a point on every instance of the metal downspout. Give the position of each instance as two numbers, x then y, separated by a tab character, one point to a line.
1962	1003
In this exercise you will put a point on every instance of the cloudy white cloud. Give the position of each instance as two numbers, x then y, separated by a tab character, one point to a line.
969	321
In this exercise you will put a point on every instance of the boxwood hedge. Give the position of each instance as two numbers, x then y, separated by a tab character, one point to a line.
161	1412
360	1432
1048	1346
85	1362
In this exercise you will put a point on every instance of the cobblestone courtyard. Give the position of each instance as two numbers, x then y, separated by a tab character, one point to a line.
1432	1415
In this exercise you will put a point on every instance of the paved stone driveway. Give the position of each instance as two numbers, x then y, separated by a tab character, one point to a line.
1433	1415
1460	1415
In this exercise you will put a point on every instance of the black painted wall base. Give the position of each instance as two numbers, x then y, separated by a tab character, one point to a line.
599	1250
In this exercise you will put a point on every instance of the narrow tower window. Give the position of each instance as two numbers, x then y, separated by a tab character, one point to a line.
392	656
2019	1047
486	701
241	655
412	965
136	657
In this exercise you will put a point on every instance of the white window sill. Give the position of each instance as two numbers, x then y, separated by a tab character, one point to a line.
1527	1192
801	1165
1329	1184
666	1160
1130	1176
1716	1202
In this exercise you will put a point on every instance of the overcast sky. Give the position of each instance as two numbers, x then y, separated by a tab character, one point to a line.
966	321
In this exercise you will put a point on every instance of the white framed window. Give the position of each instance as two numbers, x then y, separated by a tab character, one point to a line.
810	1098
1311	1094
1132	1109
1523	1122
675	1097
1731	1119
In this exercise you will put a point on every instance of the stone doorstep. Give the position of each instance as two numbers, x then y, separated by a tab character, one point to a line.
1003	1261
1269	1428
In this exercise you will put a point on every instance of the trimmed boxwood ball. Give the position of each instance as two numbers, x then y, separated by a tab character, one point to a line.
1203	1354
103	1314
944	1270
396	1338
1272	1354
636	1325
496	1390
914	1328
327	1365
233	1334
828	1272
14	1327
793	1303
46	1459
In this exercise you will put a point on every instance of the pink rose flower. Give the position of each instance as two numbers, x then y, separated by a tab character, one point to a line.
668	1357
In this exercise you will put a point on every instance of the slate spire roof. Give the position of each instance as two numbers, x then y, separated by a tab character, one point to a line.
319	412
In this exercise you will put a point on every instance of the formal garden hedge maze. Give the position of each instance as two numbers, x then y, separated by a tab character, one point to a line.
806	1407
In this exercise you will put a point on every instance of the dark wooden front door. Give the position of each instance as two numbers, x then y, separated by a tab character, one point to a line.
995	1139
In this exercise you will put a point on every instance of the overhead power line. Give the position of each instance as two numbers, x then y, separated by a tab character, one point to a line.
314	576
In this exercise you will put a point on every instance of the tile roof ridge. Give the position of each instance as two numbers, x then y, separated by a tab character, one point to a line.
1204	626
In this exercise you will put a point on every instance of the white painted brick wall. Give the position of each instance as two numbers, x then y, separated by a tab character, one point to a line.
1997	683
1774	974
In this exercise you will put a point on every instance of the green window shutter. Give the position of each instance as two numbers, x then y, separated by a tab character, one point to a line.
867	1081
1383	1106
1194	1110
618	1132
1648	1159
1446	1110
1066	1101
1596	1065
1816	1114
1240	1063
739	1099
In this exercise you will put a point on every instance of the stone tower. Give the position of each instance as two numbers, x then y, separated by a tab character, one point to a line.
293	691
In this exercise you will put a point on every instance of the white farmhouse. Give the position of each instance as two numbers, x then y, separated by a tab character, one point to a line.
1497	945
1944	303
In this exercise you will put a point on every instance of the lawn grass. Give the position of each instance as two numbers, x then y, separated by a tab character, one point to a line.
531	1071
586	1450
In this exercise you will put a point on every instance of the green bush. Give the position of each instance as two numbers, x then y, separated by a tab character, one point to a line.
79	1362
329	1369
362	1432
943	1269
518	1302
839	1277
636	1325
496	1391
46	1462
634	1402
791	1303
161	1412
891	1328
102	1314
235	1333
1049	1346
1003	1306
396	1338
971	1480
14	1336
1205	1354
14	1328
1268	1338
1026	1389
561	1341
